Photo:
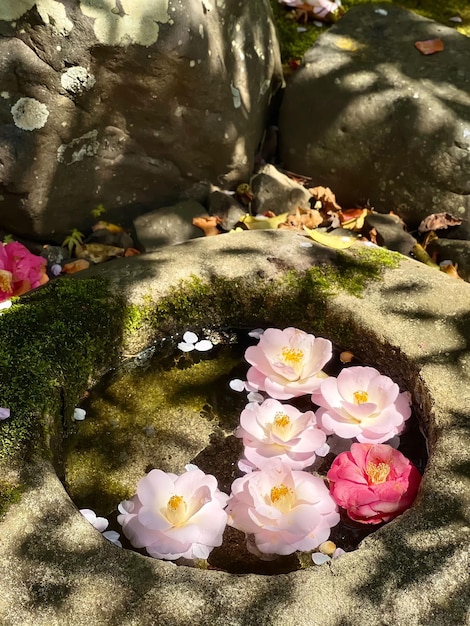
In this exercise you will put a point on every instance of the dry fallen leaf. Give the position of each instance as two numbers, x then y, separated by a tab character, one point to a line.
113	228
438	221
326	197
208	224
261	222
75	266
311	218
449	268
353	219
346	356
131	252
98	252
339	242
430	46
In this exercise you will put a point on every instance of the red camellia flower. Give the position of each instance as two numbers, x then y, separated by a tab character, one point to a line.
20	270
374	483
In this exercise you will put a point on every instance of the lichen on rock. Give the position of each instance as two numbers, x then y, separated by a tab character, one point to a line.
29	113
77	79
138	24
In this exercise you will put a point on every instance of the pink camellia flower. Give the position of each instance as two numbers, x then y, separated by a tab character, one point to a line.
175	516
287	363
272	429
362	403
285	510
374	483
320	8
20	270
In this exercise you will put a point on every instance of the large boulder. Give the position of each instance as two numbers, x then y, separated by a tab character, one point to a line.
128	104
371	117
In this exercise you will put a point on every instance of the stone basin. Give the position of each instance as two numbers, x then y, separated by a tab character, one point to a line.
410	321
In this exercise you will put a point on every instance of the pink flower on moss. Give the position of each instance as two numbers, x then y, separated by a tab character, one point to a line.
274	430
320	8
175	516
287	363
362	403
20	270
283	509
374	483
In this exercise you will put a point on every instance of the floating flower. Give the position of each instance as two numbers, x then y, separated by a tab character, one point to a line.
175	516
320	8
101	524
4	413
191	342
374	483
285	510
287	363
20	270
274	430
362	403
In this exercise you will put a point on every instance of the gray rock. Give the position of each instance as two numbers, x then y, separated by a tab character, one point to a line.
372	118
227	207
390	233
169	225
127	108
276	192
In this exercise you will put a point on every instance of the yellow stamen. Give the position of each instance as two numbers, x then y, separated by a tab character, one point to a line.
377	473
6	278
360	397
176	510
281	420
282	497
291	355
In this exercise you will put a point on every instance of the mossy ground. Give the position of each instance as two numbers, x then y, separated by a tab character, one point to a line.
295	44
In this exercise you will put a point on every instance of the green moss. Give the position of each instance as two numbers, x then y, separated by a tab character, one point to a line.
294	44
50	350
9	494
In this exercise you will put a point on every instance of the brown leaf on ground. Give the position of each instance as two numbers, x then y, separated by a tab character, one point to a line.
311	218
75	266
326	197
208	224
113	228
353	219
428	239
438	221
98	252
430	46
449	268
346	356
373	236
131	252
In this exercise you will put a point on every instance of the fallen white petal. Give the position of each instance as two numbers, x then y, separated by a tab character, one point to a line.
318	24
254	396
455	18
190	337
237	385
204	345
126	506
256	333
6	304
323	451
190	467
113	537
381	11
318	558
79	415
185	347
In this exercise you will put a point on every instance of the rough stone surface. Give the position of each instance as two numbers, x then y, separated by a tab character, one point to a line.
169	225
414	326
227	207
276	192
390	233
128	107
374	119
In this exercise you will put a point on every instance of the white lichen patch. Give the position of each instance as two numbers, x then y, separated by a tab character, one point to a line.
77	79
52	13
5	95
29	113
76	150
139	23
